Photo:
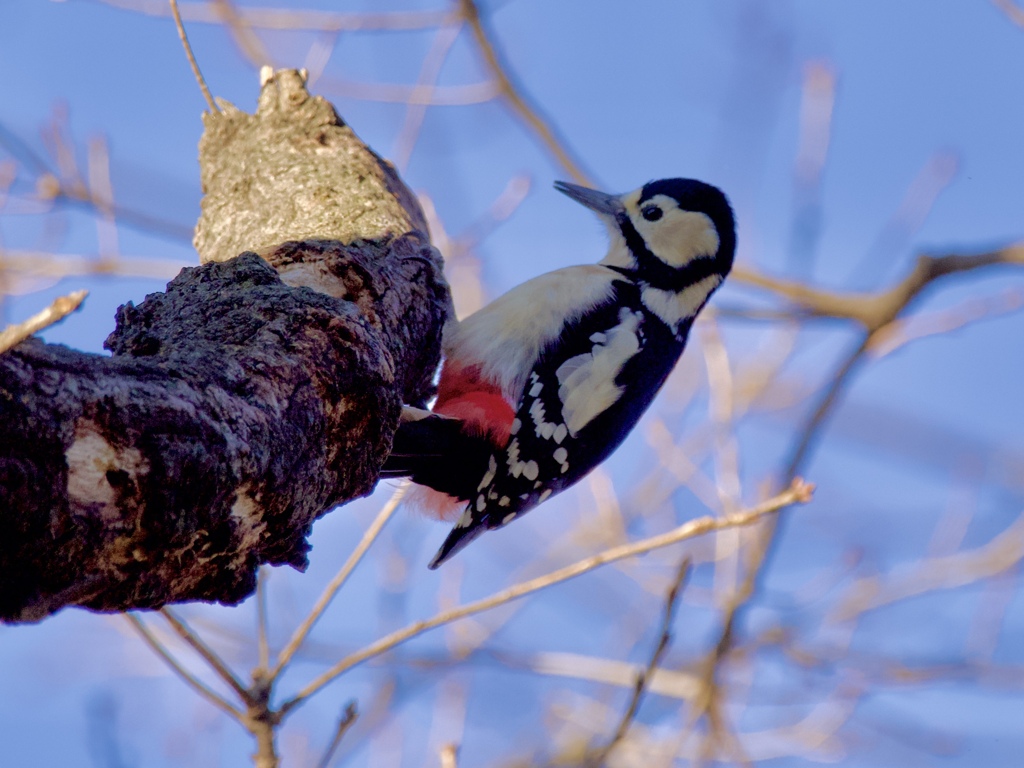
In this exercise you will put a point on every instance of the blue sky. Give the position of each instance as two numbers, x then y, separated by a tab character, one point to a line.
645	90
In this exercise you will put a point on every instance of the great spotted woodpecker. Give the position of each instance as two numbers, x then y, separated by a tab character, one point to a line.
541	385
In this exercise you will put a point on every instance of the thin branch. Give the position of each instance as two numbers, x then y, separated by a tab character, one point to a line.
347	720
185	675
208	654
61	307
1013	11
298	19
261	618
248	42
799	492
415	113
192	59
643	679
876	310
514	94
337	582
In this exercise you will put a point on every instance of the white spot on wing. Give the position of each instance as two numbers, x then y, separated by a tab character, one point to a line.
587	385
531	470
560	455
492	469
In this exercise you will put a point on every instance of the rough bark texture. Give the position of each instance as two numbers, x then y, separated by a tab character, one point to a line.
255	394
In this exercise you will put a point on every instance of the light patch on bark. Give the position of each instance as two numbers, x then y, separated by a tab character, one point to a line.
248	517
90	457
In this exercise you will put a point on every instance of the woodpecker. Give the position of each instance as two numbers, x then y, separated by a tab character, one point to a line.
543	384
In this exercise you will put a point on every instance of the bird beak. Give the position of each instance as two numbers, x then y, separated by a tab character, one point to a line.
601	202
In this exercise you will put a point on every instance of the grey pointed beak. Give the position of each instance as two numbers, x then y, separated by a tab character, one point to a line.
601	202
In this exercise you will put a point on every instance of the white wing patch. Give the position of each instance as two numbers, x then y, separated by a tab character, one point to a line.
587	385
674	306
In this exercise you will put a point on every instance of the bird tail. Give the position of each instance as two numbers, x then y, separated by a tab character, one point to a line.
458	538
436	451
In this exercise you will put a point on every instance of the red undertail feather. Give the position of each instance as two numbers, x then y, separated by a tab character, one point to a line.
463	394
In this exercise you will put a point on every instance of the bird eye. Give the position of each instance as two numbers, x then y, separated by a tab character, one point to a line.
651	212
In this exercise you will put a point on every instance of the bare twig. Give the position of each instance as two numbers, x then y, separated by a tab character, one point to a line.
261	618
158	648
192	59
297	19
798	493
208	654
337	582
346	721
598	758
61	307
516	98
876	310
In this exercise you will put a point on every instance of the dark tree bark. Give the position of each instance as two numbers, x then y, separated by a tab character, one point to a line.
258	392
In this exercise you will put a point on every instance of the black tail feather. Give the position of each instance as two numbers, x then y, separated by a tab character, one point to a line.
435	451
458	537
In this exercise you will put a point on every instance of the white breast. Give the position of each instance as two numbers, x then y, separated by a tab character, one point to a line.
508	334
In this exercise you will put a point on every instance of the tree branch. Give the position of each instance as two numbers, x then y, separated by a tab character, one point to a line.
239	405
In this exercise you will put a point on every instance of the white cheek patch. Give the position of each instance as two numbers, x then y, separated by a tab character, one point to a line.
672	307
587	385
678	237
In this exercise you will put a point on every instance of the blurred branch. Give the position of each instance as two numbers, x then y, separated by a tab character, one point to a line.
262	641
298	19
248	42
371	534
931	574
179	670
346	721
415	112
515	95
206	653
449	756
598	758
61	307
901	332
64	184
1013	11
876	310
60	265
799	492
